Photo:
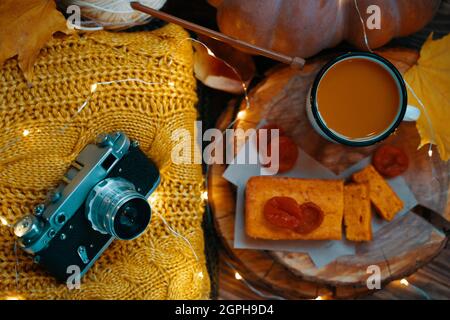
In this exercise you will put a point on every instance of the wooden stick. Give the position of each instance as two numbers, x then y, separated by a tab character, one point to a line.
295	62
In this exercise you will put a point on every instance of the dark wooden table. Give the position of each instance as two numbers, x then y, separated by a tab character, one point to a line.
432	281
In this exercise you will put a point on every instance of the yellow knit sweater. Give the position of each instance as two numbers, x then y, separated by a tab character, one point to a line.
35	153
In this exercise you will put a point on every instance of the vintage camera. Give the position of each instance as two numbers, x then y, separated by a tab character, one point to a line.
103	196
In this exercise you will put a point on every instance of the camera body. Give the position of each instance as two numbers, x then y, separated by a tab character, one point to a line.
103	196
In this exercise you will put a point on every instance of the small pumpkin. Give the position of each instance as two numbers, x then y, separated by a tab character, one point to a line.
305	27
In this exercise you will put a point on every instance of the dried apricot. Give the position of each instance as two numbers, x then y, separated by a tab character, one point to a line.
390	161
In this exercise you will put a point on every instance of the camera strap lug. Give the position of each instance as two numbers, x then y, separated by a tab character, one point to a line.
82	253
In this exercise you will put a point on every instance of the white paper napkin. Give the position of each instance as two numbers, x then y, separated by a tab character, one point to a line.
321	252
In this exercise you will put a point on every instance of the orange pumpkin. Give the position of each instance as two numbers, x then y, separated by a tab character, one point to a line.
305	27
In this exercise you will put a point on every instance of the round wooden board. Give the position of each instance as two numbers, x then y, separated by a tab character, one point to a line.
397	249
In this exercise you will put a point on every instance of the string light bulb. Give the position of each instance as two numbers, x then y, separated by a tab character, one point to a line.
430	152
404	282
153	199
208	50
4	221
241	115
14	298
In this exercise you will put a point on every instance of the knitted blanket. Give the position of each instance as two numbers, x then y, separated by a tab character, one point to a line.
45	126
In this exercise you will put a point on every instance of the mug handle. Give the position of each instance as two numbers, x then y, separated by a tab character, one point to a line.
412	113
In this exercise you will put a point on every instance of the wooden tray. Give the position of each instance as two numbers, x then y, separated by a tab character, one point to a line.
398	249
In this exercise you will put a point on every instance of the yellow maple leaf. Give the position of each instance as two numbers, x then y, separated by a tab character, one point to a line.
430	82
25	27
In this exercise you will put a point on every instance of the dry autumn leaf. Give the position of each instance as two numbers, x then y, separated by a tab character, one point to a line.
430	81
25	27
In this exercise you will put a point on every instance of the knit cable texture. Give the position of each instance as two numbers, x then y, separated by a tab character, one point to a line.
158	264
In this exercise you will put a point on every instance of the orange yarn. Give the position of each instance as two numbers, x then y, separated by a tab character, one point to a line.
157	265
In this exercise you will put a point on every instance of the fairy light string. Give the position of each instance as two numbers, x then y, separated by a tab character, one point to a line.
422	106
204	196
430	126
16	266
256	291
153	200
365	37
404	282
110	9
93	89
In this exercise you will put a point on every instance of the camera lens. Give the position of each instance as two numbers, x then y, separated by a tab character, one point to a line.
129	221
114	207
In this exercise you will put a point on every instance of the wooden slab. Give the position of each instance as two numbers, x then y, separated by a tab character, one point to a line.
398	249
